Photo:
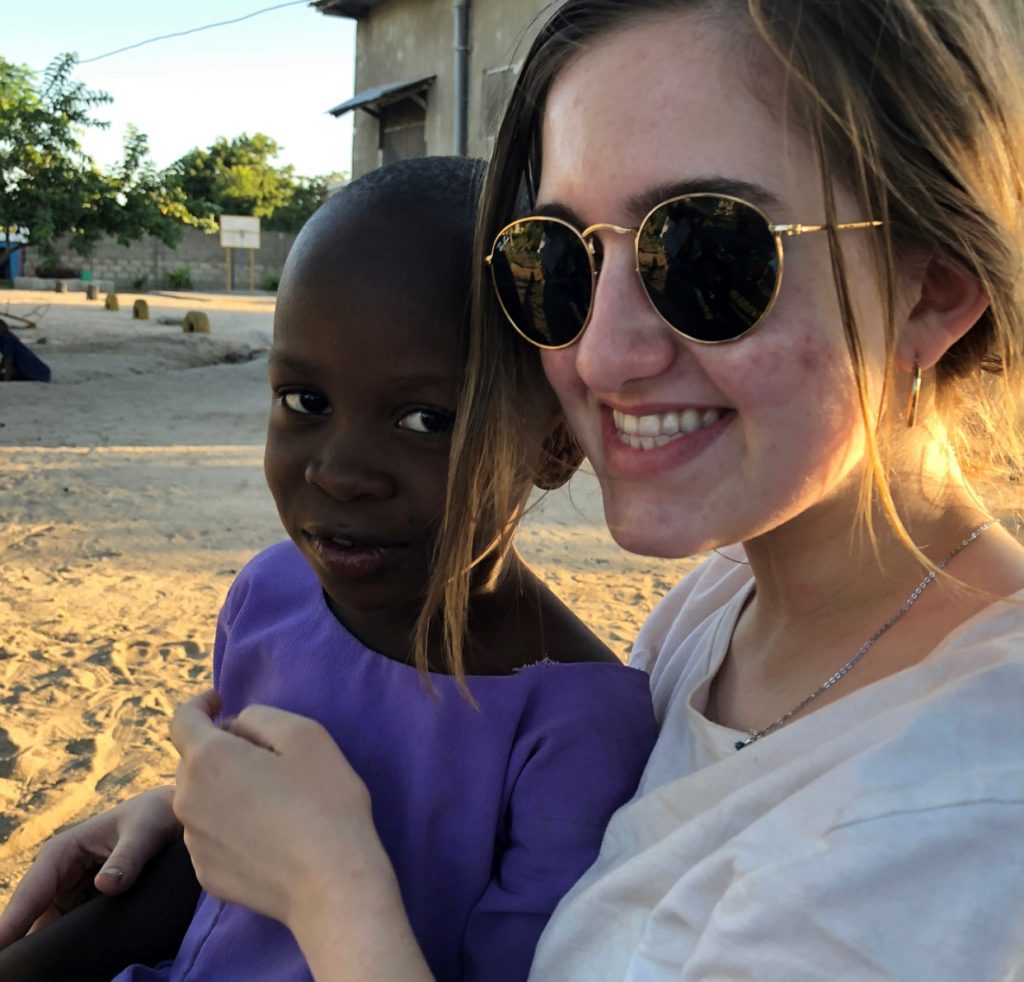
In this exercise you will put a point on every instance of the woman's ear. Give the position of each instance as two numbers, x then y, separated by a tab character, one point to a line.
560	457
949	302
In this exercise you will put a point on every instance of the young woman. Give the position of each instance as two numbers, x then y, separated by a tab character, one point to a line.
838	786
772	257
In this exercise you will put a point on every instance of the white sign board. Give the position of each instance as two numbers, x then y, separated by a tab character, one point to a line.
239	232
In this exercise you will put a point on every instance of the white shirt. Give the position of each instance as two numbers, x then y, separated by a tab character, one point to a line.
879	837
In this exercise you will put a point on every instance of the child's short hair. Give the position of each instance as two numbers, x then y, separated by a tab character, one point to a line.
450	185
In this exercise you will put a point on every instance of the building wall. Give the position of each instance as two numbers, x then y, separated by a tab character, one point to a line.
501	32
399	42
403	40
199	253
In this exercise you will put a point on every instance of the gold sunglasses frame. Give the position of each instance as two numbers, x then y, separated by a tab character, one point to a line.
779	232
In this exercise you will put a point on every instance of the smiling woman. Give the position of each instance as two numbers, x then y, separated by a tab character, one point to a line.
838	403
817	362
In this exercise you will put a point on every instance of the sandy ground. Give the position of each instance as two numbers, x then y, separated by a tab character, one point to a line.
131	491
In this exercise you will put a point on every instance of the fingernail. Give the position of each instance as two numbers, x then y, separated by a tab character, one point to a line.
227	722
112	871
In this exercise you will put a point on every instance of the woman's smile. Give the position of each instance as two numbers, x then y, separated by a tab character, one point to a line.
649	430
646	444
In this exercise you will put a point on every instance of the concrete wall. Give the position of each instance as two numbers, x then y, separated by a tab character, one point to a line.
399	42
403	40
501	34
199	253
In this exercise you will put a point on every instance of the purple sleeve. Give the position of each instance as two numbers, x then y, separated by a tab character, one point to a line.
582	762
233	602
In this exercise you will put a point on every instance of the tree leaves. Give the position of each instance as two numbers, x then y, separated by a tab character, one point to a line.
49	186
238	177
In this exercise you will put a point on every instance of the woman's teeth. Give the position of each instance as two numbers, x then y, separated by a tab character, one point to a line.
657	429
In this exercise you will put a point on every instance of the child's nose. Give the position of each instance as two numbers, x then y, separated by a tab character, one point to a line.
349	467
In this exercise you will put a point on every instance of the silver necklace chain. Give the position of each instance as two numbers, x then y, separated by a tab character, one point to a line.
867	645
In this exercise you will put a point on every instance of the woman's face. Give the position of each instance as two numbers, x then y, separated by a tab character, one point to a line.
779	428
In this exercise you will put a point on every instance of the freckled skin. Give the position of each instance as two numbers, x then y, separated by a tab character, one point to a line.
628	115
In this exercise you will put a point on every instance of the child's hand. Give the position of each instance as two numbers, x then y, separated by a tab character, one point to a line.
276	819
268	803
120	841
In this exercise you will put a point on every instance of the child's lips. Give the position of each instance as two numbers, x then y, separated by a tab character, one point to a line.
346	555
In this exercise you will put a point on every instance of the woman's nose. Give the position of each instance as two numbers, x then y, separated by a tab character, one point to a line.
350	466
625	341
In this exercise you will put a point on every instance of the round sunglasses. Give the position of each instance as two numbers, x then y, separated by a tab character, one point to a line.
710	264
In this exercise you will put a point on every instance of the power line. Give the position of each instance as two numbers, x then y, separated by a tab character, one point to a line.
192	30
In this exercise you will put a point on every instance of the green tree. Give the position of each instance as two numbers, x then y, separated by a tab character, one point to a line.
234	177
133	198
307	194
44	175
50	187
239	177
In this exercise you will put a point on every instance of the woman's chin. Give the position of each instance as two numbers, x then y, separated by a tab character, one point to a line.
647	530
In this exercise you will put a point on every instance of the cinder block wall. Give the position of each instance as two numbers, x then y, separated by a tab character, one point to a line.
197	252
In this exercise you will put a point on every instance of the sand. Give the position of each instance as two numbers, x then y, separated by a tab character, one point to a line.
131	492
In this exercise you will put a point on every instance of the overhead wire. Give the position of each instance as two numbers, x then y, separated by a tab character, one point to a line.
191	30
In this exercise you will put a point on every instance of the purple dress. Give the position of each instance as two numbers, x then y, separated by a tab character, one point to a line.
489	815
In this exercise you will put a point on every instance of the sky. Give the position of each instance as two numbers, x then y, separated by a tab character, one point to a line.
277	73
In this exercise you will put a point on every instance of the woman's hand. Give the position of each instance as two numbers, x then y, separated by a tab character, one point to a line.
276	819
120	842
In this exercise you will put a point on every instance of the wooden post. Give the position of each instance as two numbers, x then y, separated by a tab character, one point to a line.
252	270
227	253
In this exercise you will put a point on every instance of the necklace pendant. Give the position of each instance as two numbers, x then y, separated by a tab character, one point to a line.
740	744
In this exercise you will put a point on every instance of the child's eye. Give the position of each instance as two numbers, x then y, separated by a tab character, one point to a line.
428	421
306	402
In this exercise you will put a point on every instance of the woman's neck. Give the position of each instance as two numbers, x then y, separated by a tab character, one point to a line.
833	560
824	587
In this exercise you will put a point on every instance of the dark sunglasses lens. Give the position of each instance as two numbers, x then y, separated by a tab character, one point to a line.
709	265
541	272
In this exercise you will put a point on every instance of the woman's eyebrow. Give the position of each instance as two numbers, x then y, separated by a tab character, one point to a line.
642	202
555	209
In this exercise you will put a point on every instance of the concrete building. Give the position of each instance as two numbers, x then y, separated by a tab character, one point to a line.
432	76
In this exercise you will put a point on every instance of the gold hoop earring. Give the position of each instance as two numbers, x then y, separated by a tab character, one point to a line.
915	395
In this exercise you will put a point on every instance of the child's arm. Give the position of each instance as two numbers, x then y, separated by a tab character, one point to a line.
64	875
100	938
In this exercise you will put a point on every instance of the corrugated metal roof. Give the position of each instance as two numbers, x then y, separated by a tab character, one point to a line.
379	95
347	8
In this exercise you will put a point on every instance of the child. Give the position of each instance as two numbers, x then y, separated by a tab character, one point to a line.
478	801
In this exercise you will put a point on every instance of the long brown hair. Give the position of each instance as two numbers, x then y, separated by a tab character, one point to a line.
918	108
509	438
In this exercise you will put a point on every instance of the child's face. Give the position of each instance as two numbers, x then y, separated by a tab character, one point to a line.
364	369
